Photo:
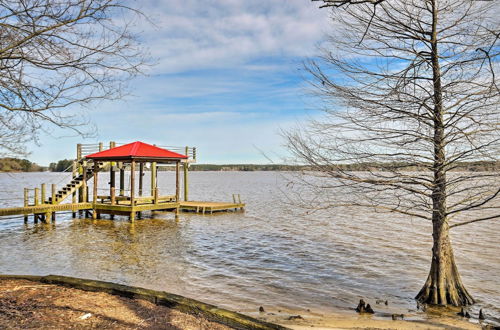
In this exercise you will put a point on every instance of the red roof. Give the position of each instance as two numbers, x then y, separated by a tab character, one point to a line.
136	150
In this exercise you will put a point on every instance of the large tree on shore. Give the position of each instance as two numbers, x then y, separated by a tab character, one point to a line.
411	89
57	54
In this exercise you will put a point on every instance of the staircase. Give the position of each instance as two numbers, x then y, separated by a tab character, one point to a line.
74	185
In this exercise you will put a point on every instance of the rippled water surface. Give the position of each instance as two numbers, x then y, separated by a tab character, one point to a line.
268	255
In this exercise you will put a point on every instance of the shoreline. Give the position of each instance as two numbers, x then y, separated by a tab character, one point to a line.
207	314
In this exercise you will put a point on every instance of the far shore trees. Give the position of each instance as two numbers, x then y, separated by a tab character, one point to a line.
408	83
58	54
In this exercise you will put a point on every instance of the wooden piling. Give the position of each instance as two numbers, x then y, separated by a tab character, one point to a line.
122	178
85	195
132	183
177	195
155	196
141	174
113	197
73	195
53	194
186	164
153	177
79	151
37	192
26	202
43	193
94	200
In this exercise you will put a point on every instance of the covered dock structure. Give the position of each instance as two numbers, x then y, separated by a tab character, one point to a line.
136	154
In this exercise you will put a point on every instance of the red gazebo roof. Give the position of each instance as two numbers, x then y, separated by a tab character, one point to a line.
137	151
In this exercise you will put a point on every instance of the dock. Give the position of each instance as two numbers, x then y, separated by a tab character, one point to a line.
93	159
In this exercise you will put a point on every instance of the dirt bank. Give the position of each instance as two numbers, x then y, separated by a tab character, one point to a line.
28	304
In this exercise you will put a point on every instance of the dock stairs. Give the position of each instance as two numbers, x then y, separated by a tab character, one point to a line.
75	184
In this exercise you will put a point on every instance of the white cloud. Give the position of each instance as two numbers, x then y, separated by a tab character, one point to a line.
192	35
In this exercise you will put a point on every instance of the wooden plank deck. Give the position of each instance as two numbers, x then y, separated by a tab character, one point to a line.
44	208
210	207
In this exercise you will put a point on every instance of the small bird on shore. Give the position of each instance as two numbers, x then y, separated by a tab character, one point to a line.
261	309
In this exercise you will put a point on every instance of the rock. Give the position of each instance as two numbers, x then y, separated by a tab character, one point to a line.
386	302
398	316
467	315
368	309
379	301
261	309
295	317
361	306
85	316
481	315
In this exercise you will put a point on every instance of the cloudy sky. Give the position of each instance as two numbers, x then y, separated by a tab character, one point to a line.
227	79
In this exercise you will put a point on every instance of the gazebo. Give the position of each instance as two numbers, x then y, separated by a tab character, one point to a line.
134	153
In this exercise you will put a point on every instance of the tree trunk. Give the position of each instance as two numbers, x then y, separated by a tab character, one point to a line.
443	285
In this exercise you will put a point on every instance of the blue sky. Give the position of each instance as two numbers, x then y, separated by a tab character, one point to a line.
227	79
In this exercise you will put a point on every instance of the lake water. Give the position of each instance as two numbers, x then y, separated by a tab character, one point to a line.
270	255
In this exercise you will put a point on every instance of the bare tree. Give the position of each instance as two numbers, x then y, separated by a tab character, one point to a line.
58	54
411	97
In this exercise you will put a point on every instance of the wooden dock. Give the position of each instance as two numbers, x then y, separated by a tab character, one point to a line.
209	207
87	166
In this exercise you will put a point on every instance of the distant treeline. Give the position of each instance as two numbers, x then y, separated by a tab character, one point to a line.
24	165
19	165
61	165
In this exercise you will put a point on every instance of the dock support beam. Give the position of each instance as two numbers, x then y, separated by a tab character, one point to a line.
85	197
94	200
186	183
26	202
141	174
177	195
132	190
122	179
153	178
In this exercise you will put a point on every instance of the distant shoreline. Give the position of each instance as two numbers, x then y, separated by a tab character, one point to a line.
23	165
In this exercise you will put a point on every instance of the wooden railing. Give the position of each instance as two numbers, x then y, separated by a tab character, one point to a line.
83	150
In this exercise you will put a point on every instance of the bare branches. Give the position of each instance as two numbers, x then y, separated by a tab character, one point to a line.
59	54
410	95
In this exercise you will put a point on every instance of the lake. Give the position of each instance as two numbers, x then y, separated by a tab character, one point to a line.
270	255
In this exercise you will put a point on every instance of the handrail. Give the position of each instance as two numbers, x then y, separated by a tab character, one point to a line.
90	148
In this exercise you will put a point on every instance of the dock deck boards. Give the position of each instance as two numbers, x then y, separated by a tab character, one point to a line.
203	207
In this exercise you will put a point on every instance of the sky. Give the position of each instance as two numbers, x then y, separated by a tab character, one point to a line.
227	78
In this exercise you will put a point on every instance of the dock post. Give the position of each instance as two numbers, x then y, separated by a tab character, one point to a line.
94	201
122	178
155	196
153	177
132	183
177	181
141	173
112	178
186	165
26	202
78	151
73	196
113	197
37	192
53	194
85	196
43	193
